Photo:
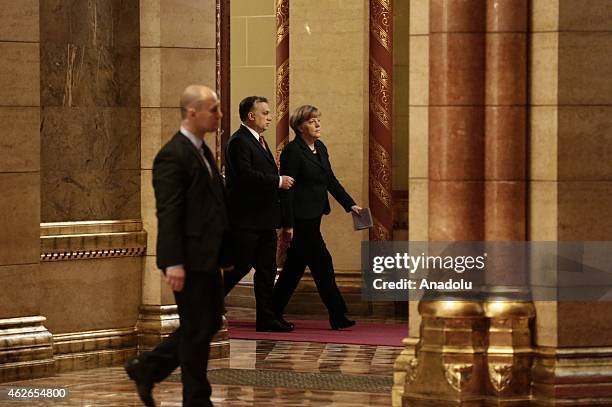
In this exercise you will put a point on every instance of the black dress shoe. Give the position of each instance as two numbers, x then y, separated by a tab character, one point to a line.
284	322
340	322
144	386
273	326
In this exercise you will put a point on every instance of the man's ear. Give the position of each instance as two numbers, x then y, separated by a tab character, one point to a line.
251	115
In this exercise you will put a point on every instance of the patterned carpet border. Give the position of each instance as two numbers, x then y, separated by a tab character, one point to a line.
298	380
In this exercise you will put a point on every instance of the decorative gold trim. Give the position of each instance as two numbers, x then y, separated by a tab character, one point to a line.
282	20
380	93
90	240
458	375
282	90
380	27
500	375
380	173
379	231
411	371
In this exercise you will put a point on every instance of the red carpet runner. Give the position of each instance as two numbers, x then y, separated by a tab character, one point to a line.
319	331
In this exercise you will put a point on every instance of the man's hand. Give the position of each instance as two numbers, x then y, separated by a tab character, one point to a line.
287	234
286	182
175	277
357	209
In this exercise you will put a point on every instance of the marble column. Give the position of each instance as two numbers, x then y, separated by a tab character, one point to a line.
450	366
25	344
177	48
508	308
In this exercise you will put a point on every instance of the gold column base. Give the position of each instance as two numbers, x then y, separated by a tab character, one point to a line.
572	377
156	322
26	349
93	349
470	354
509	352
404	370
450	365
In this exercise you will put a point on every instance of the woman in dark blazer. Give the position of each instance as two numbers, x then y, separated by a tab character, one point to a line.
306	160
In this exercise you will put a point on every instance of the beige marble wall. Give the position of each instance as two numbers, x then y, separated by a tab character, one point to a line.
177	48
418	98
104	294
329	69
19	158
253	55
571	174
585	151
89	93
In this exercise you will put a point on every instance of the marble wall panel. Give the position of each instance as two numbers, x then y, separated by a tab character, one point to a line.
20	290
91	23
150	23
105	293
20	74
238	35
261	37
189	24
90	118
545	15
574	330
419	17
585	15
90	138
90	195
584	68
419	138
19	20
181	67
20	144
253	8
82	75
147	209
544	67
585	143
543	134
585	210
19	218
543	211
418	213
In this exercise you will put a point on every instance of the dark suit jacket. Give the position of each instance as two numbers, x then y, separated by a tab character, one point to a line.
252	182
307	199
191	209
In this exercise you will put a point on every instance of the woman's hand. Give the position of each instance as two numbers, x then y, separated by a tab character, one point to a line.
357	209
287	234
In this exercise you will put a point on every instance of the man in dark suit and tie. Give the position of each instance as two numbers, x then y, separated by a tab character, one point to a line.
192	226
253	184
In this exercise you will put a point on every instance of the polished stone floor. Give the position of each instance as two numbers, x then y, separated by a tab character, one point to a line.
290	370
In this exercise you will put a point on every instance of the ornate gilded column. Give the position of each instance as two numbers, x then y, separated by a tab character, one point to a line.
381	105
449	367
509	311
282	75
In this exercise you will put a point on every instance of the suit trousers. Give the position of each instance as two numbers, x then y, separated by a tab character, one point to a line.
200	305
255	249
308	249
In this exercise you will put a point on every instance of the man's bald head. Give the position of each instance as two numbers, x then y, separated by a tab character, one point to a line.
193	96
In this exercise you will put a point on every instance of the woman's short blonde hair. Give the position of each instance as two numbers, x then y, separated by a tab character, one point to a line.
301	115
